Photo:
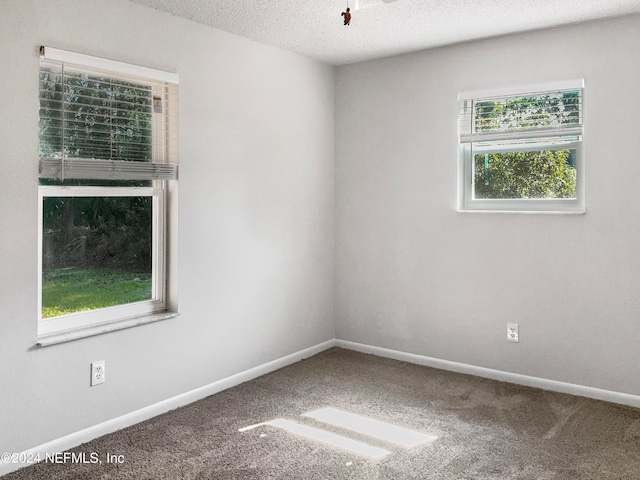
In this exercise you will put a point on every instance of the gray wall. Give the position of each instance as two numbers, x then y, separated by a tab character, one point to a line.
255	207
413	275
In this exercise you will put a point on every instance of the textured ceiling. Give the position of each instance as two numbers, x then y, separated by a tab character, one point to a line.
314	28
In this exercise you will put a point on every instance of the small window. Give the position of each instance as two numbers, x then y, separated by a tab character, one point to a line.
521	150
108	158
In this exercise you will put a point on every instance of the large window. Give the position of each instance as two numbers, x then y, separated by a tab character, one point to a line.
521	150
108	160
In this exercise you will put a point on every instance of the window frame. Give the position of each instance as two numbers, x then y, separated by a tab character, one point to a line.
161	171
123	311
558	138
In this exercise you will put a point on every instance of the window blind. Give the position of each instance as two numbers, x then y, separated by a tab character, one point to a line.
80	168
541	113
106	120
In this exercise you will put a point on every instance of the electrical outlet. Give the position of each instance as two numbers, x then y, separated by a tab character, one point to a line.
513	332
97	373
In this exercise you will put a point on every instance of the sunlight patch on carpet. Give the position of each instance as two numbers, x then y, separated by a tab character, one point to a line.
333	439
358	424
370	427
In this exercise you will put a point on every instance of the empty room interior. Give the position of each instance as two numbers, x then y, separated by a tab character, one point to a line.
398	241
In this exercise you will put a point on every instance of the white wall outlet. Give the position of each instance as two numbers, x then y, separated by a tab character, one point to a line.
97	373
513	334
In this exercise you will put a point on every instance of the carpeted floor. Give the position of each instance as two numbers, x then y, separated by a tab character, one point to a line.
485	430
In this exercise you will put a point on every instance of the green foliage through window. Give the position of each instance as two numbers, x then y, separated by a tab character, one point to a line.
539	174
559	109
98	232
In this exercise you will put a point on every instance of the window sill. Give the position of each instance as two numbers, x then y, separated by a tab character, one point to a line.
524	212
92	330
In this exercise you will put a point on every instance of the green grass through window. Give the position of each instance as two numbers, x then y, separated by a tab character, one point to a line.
70	290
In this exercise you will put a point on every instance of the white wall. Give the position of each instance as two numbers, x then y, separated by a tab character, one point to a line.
413	275
255	216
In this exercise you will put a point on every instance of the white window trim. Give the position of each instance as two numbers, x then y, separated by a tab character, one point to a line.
97	63
522	89
92	330
466	202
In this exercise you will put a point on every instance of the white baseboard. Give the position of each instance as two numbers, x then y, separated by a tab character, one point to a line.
83	436
543	383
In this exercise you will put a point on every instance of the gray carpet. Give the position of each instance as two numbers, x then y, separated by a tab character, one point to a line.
485	429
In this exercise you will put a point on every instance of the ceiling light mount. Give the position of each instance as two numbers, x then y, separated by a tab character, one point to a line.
365	4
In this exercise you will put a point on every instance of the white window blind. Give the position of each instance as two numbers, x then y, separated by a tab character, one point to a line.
550	113
97	124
